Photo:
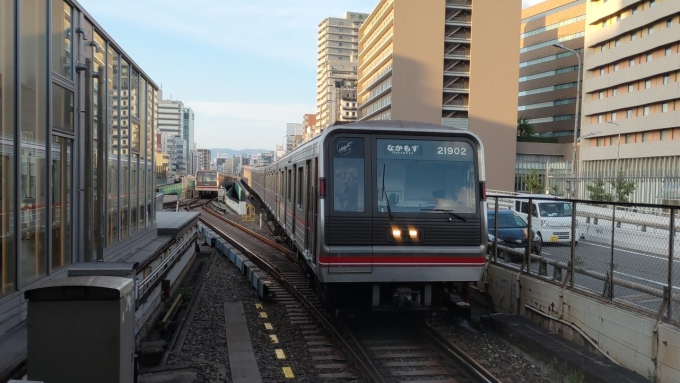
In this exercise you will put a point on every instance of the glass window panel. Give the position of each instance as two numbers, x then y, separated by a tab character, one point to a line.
7	152
134	189
125	147
62	38
135	136
62	177
134	93
155	124
348	181
33	103
62	108
114	145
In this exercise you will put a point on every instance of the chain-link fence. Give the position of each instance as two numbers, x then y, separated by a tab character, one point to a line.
623	252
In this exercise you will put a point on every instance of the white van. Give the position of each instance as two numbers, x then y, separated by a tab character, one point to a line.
551	218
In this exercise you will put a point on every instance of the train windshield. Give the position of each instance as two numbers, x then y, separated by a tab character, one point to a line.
207	177
426	176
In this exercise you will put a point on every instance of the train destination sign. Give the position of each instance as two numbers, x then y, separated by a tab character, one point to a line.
425	150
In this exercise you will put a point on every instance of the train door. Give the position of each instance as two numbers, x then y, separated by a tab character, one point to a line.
349	231
309	195
295	203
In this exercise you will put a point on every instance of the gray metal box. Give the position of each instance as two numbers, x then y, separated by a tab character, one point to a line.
81	329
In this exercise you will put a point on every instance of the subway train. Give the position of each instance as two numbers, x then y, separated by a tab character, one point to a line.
383	214
208	182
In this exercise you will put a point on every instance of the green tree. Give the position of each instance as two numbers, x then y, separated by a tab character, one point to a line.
622	188
533	182
524	127
597	192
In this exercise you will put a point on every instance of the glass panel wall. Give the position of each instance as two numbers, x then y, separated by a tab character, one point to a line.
134	192
114	144
61	202
62	39
143	185
62	108
7	175
151	149
155	124
124	147
33	102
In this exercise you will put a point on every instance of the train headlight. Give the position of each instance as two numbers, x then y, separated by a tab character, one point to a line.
396	233
413	233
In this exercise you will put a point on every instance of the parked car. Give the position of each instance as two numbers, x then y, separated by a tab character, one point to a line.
551	217
512	232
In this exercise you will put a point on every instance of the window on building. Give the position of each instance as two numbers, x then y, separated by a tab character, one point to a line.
629	138
645	111
631	63
601	71
651	3
612	141
664	107
632	36
666	134
600	118
634	10
630	88
616	67
603	47
601	95
650	30
666	79
646	136
617	42
600	141
669	23
668	51
615	91
629	113
618	17
613	116
604	23
648	84
649	57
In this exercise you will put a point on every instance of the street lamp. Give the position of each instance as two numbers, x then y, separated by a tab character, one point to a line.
578	95
618	150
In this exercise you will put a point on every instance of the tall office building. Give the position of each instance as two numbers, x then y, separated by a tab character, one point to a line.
548	88
336	65
170	117
445	64
205	158
188	136
631	95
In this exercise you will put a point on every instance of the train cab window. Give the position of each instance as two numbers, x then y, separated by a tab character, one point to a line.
426	176
348	174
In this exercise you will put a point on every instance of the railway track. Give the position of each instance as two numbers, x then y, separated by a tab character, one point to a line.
405	350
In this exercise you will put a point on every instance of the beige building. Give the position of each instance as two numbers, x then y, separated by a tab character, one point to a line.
632	90
420	63
205	158
336	64
547	90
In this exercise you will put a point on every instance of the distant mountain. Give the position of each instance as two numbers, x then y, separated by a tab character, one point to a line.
232	152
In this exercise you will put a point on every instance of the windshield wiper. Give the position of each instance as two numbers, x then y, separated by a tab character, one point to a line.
450	212
389	210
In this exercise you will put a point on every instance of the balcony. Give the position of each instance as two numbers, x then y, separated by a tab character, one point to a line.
457	37
457	53
457	70
455	102
457	18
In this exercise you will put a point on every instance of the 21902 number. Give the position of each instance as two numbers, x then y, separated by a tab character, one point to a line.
451	151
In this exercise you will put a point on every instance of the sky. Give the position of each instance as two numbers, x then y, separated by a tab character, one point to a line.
246	67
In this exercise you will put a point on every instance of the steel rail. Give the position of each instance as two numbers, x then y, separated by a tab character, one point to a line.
368	370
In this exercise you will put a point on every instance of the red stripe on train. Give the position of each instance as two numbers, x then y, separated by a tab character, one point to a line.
378	260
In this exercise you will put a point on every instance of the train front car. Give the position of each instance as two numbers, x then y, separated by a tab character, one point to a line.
207	183
404	216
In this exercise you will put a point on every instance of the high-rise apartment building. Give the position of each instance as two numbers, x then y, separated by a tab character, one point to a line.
631	94
452	62
336	64
205	158
308	127
188	135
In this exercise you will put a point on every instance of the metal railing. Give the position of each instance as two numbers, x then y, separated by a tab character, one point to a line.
607	249
459	2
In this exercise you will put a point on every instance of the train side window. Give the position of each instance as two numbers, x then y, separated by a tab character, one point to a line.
299	188
290	184
348	174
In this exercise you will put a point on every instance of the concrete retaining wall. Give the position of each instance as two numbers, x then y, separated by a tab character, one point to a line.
625	336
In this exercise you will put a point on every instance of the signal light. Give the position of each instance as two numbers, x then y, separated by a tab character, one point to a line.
322	187
482	188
